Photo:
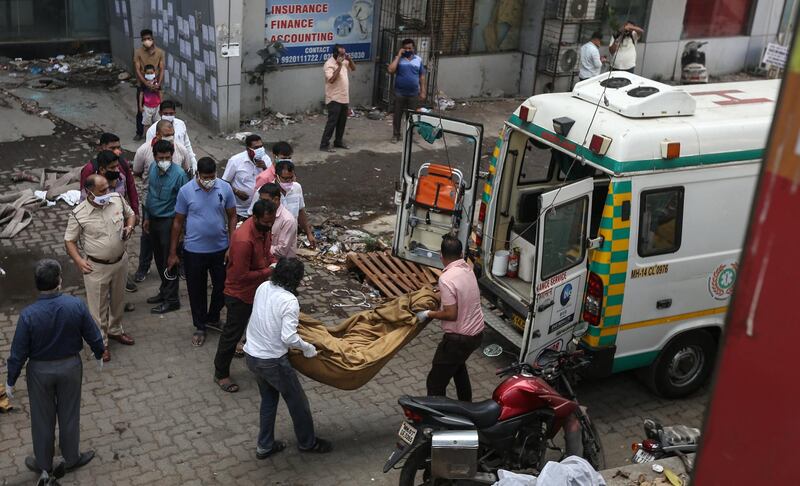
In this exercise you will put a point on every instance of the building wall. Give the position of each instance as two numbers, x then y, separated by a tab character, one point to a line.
478	75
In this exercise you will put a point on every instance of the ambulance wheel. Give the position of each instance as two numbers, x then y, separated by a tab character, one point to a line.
683	365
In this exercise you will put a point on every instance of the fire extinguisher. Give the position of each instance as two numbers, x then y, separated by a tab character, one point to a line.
513	263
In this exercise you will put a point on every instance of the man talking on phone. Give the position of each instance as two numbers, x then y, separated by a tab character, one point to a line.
337	97
410	88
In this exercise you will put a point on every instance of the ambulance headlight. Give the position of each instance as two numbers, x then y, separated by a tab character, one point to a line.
563	125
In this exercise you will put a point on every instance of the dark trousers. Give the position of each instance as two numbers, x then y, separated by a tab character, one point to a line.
139	114
626	70
276	378
198	267
145	254
54	391
238	315
337	119
401	104
450	362
160	230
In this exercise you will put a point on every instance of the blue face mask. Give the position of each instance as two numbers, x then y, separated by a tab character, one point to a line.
408	54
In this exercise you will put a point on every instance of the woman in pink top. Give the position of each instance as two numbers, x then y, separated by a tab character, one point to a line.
462	321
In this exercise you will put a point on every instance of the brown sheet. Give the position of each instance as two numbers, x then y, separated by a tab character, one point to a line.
352	353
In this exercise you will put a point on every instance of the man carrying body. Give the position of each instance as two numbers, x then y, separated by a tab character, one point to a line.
102	224
591	63
292	197
284	229
462	321
164	182
337	97
272	331
166	111
241	172
152	55
208	210
249	261
623	47
409	83
50	334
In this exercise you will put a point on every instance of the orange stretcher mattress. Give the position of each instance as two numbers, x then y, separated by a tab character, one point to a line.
436	189
353	352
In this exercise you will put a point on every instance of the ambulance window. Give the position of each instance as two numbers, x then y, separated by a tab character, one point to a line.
564	237
660	221
536	163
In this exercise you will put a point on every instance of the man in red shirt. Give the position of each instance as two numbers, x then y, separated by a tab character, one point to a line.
109	141
249	265
462	322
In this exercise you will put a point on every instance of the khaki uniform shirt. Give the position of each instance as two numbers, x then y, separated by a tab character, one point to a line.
99	230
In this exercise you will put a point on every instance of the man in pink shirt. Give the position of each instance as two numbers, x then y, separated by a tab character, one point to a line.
284	229
280	151
337	97
462	322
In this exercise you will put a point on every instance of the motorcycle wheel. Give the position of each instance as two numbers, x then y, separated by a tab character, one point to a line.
593	450
417	470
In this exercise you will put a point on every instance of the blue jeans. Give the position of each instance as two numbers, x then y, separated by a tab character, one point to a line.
276	378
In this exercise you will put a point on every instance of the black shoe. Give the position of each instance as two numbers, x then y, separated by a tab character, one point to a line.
277	446
83	460
341	145
30	463
156	299
164	308
129	307
130	286
139	277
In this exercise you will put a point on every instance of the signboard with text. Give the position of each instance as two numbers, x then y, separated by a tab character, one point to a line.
304	33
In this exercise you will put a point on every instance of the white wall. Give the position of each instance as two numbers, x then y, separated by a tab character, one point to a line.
476	75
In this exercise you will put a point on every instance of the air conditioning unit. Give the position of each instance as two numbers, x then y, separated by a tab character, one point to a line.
562	59
556	32
576	10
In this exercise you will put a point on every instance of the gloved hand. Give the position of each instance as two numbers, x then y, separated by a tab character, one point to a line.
9	391
100	364
309	351
423	316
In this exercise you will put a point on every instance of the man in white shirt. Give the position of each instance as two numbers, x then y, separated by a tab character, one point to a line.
623	47
241	172
166	111
144	154
292	197
271	331
590	61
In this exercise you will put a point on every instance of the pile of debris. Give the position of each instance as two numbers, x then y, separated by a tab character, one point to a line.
56	72
334	242
272	120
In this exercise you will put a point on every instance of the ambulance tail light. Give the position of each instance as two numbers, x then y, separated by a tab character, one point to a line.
479	226
593	302
599	144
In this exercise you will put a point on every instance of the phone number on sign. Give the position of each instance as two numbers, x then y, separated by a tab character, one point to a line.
311	58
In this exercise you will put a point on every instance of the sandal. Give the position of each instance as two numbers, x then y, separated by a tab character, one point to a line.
322	446
198	338
277	446
229	387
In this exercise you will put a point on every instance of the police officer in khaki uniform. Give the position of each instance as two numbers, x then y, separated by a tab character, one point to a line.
102	224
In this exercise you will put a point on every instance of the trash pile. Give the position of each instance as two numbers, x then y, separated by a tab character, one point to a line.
334	242
272	120
56	72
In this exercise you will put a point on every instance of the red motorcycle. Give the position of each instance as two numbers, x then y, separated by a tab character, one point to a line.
460	442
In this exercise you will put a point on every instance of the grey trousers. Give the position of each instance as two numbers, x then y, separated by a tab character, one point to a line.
54	390
276	378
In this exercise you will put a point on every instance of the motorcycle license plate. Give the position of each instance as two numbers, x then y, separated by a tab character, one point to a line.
407	433
643	456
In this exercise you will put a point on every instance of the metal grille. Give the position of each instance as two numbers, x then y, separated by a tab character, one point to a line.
453	21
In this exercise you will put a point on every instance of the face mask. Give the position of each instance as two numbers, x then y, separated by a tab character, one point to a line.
102	200
149	77
112	175
171	138
207	184
164	165
169	118
147	43
287	186
259	153
408	54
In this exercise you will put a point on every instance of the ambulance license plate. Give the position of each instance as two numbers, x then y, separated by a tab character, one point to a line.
643	456
407	433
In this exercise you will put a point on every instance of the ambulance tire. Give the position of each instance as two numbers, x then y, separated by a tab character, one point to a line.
683	366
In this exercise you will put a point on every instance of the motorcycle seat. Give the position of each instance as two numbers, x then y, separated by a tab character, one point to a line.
483	414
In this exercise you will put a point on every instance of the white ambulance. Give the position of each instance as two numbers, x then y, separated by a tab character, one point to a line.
627	202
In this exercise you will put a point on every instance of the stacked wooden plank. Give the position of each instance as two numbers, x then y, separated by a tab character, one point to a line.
391	275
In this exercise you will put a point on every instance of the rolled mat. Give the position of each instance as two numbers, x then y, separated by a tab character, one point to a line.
351	353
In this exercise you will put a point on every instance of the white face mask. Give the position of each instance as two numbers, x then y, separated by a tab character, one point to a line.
287	186
149	77
260	153
102	200
164	165
207	184
169	118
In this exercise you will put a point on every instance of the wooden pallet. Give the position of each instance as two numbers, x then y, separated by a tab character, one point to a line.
391	275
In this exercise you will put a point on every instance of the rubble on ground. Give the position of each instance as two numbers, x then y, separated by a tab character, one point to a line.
334	241
57	72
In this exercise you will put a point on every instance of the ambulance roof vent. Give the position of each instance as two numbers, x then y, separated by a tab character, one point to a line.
633	96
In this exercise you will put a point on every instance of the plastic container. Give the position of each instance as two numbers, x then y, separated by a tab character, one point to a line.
527	254
500	263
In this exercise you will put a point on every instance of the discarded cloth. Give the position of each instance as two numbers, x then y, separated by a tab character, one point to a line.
5	404
353	352
71	197
572	471
14	217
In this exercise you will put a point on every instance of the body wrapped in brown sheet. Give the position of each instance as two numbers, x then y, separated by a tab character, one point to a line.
353	352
